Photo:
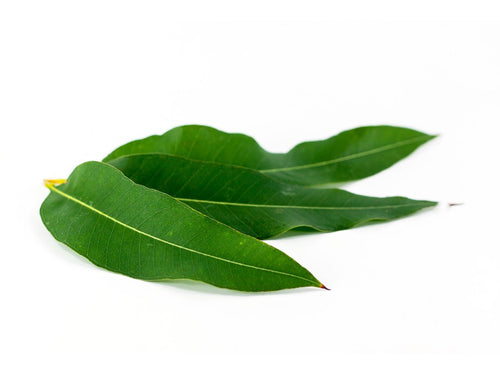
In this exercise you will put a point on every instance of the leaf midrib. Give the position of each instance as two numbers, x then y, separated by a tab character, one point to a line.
54	189
298	207
347	157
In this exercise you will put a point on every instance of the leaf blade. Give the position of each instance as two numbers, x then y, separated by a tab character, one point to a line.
153	243
350	155
256	204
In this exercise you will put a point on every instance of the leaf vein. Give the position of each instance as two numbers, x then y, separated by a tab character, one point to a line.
347	157
67	196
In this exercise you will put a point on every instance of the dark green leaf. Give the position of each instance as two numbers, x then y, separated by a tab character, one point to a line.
348	156
254	203
146	234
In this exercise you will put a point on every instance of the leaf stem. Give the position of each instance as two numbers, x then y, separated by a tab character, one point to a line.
51	183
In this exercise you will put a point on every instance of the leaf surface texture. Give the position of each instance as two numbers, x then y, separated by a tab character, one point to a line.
348	156
256	204
143	233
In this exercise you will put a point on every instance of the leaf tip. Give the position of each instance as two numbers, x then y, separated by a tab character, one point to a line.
322	286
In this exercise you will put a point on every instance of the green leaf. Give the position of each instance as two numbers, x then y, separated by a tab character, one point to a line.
348	156
146	234
256	204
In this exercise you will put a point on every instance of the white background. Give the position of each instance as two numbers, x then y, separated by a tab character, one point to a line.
414	296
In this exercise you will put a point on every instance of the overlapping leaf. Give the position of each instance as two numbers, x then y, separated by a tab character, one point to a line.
348	156
168	223
146	234
254	203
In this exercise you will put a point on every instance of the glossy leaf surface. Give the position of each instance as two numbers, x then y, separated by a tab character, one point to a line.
348	156
256	204
146	234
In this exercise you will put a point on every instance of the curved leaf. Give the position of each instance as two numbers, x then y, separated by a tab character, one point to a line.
348	156
146	234
256	204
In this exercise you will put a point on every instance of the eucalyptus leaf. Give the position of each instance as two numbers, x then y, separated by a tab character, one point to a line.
348	156
256	204
143	233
